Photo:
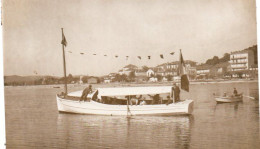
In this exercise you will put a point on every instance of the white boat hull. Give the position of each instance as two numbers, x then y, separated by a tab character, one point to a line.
92	107
228	99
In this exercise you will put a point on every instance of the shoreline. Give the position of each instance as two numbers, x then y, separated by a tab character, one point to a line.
132	84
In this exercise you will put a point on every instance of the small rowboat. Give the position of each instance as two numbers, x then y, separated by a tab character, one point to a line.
229	99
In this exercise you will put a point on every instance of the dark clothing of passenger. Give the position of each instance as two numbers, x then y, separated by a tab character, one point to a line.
156	99
235	92
85	93
176	90
169	100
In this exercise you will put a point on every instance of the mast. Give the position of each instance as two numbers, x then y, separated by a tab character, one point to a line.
63	42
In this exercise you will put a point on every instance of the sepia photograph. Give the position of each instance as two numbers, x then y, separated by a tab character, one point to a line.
135	74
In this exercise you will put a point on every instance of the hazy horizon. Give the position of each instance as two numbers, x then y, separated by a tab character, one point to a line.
202	29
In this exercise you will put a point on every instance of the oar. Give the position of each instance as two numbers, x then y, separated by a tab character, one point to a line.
249	97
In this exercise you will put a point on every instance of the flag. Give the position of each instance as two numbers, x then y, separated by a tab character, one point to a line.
172	53
183	74
149	57
63	41
161	56
139	57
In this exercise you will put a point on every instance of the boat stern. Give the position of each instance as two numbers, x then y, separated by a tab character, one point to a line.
190	106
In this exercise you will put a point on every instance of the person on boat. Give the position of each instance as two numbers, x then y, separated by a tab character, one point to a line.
235	92
140	98
85	92
156	98
169	101
176	91
143	102
133	100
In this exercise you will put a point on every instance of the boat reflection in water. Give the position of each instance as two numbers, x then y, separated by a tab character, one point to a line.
88	131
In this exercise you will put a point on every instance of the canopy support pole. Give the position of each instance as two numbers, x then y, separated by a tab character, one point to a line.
128	110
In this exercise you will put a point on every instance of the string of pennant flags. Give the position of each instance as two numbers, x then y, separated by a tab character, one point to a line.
127	57
64	42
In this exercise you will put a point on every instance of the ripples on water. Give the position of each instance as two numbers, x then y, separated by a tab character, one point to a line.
32	121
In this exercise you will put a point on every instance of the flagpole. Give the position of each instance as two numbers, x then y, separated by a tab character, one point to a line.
64	65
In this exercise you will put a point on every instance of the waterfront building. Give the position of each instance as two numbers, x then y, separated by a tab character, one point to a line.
127	69
243	62
220	70
203	71
150	73
107	80
92	80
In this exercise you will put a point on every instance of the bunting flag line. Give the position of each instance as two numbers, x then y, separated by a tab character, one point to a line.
161	56
183	74
116	56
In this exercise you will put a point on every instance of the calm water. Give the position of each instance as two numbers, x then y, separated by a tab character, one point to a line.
32	121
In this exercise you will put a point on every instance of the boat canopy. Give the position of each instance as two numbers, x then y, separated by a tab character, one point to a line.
124	91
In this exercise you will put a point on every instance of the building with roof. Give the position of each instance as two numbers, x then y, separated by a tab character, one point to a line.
244	61
241	60
92	80
127	69
203	71
220	70
150	73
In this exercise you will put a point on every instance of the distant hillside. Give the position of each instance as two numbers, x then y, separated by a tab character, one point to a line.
15	78
20	80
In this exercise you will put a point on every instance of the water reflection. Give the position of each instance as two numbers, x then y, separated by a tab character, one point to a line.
122	132
232	108
32	121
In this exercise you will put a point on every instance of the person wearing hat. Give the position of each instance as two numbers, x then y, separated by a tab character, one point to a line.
85	93
176	91
235	92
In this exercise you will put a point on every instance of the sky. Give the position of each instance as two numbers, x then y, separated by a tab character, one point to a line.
201	28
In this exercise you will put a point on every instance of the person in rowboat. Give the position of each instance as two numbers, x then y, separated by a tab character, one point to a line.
176	91
85	93
235	92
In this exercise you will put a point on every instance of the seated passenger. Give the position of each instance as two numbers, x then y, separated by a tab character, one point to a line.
235	92
143	102
156	98
133	100
169	100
